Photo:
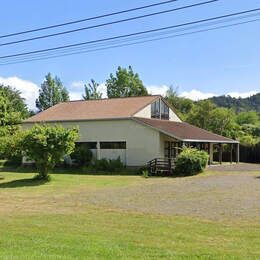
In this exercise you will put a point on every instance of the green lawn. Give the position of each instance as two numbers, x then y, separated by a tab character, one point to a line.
54	221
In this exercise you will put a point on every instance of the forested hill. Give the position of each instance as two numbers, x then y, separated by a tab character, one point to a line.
238	104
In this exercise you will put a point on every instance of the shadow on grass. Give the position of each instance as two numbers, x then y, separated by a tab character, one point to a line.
70	171
17	169
22	183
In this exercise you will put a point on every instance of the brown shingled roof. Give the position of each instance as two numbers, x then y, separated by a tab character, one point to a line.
93	109
183	131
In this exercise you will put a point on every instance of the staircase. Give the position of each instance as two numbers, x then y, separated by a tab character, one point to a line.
160	166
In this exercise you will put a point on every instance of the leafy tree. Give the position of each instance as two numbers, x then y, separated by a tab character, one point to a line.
201	113
12	111
10	148
12	106
250	117
47	145
238	104
91	91
248	140
222	122
125	83
51	93
219	120
182	105
222	117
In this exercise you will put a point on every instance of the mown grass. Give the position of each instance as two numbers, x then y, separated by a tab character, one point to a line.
109	234
38	223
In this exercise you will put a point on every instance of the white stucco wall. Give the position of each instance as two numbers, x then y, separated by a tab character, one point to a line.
145	112
142	142
173	116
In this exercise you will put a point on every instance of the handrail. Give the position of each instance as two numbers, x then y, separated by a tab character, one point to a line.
158	165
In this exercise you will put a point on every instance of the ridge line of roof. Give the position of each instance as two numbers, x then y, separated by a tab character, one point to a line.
102	99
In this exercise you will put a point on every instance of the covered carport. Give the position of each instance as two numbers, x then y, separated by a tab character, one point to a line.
177	134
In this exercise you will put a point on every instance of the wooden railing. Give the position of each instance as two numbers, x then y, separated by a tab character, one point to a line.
160	166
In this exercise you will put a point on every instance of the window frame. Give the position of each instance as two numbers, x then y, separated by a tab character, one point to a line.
113	145
160	110
90	145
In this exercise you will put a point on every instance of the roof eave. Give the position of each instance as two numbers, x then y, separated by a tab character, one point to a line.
183	139
212	141
75	120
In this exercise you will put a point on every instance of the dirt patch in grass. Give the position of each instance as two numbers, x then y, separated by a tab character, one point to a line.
217	197
224	196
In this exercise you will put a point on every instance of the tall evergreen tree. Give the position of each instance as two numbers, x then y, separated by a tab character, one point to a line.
51	93
125	83
91	91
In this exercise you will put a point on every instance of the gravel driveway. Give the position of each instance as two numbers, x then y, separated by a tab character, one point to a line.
216	197
237	167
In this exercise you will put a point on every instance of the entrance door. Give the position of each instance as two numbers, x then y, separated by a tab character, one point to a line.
171	149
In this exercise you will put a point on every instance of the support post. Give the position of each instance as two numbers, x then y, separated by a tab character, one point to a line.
237	153
177	147
231	153
211	147
220	153
98	151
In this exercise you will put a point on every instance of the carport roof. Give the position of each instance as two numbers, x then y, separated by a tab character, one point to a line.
184	131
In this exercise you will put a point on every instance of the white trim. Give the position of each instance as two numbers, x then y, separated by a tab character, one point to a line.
211	141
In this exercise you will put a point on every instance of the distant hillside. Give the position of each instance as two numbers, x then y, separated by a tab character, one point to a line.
239	104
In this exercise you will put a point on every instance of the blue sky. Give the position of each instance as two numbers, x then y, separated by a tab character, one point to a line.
216	62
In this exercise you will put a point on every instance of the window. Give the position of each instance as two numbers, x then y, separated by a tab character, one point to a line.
89	145
112	145
159	110
155	109
167	151
164	111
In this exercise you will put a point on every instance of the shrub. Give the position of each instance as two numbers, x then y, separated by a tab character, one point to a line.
111	165
47	145
82	155
190	162
145	174
10	148
142	169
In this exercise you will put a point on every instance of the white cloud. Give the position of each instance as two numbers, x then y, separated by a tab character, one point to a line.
242	94
29	90
157	90
103	89
196	95
77	84
77	90
75	95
